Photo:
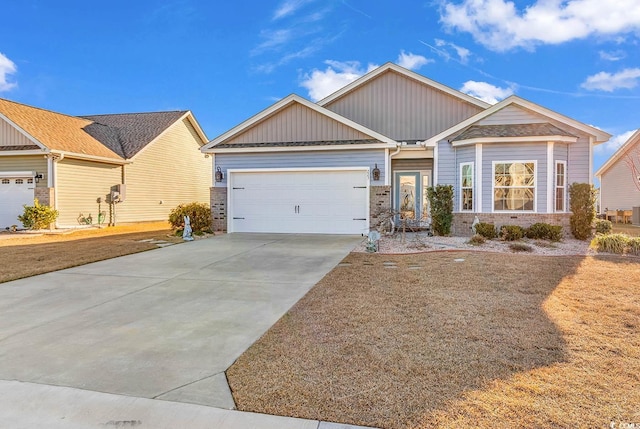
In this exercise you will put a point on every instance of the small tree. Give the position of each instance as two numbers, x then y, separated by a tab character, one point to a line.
38	216
441	201
582	202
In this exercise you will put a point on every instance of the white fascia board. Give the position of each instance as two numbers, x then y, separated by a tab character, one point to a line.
618	153
293	98
24	152
294	169
600	135
24	133
413	75
301	148
91	157
530	139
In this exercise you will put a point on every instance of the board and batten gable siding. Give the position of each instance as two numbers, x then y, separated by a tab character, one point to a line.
511	115
402	108
617	191
168	172
36	163
9	136
297	123
80	183
319	159
514	152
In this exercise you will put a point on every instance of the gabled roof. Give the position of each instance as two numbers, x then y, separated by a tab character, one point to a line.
281	105
54	131
635	138
112	138
401	70
599	135
128	133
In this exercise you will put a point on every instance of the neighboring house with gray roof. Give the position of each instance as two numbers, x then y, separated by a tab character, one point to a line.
71	162
380	142
620	178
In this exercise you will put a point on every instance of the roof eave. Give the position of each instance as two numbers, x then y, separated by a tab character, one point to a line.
302	148
618	153
527	139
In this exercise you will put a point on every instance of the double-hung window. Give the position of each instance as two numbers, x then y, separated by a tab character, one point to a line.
466	186
514	186
561	185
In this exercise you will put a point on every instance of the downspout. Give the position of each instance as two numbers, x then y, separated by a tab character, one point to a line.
54	159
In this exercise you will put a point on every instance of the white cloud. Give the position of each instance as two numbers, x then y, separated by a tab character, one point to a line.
613	144
603	81
612	55
412	61
463	53
7	68
485	91
273	40
500	25
321	83
288	7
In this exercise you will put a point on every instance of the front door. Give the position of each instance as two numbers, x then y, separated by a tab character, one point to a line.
410	190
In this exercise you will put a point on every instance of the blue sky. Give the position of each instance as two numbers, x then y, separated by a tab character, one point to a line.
226	61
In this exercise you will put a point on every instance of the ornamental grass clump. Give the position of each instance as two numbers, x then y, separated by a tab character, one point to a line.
611	243
477	240
633	246
520	247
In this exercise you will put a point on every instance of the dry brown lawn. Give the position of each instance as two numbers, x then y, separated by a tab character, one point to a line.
23	255
631	230
496	340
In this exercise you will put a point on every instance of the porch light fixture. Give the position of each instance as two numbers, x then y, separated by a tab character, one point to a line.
375	173
219	175
38	176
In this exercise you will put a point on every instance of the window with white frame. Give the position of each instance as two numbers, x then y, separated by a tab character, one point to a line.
466	186
561	185
514	186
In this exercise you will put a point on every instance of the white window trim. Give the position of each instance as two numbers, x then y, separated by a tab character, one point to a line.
473	183
564	187
535	185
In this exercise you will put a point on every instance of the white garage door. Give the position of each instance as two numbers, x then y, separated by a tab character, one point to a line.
324	202
14	193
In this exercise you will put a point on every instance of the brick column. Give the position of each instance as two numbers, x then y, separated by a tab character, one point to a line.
44	196
379	202
219	208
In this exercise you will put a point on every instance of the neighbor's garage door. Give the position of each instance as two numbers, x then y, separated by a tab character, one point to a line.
14	193
325	202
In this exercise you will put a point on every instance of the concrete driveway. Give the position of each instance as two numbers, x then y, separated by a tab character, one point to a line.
162	324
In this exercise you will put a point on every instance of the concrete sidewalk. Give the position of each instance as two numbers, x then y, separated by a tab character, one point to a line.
154	328
29	406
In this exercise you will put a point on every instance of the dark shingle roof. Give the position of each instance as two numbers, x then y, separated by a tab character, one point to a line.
290	144
25	147
127	133
513	130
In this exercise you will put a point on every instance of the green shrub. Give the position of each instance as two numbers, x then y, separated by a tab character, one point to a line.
477	240
520	247
199	215
603	226
38	216
611	243
582	201
511	232
633	245
487	230
441	202
544	231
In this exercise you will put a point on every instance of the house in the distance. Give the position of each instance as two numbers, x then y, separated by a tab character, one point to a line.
77	164
379	142
620	181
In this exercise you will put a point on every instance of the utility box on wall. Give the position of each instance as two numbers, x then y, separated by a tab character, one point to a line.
635	216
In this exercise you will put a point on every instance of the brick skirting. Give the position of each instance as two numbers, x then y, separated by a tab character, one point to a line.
379	202
219	208
462	221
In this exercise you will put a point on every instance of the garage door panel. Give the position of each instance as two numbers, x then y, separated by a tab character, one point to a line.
333	202
15	192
